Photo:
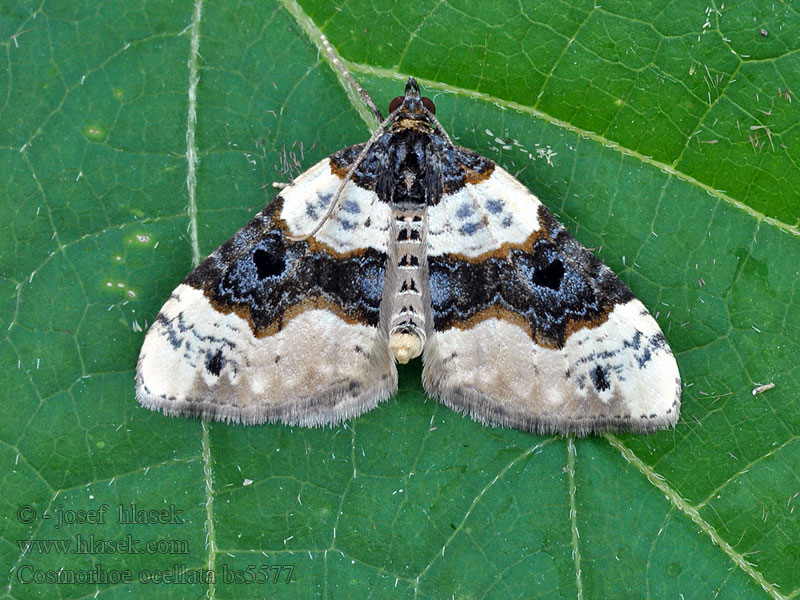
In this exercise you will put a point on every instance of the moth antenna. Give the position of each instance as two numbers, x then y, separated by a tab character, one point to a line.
361	91
439	129
348	176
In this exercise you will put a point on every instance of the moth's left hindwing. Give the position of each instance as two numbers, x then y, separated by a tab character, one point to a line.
268	328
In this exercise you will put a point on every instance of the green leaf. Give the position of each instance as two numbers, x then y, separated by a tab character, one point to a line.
664	135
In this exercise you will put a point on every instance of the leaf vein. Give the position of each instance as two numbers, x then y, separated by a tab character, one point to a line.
693	513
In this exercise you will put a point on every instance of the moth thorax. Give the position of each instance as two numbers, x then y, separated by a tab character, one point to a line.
406	343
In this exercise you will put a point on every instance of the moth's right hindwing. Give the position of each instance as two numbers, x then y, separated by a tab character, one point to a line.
272	326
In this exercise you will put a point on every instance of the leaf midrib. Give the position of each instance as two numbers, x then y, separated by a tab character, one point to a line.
191	185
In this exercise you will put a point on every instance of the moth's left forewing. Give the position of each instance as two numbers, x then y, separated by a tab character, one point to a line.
530	329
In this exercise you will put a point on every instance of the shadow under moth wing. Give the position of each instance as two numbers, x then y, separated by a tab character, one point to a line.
402	246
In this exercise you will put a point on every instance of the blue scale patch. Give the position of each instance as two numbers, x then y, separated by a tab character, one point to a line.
470	228
466	211
495	206
351	206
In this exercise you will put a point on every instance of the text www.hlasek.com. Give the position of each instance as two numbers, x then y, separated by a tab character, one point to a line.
89	544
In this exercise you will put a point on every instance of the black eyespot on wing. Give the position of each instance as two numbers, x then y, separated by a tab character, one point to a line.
549	275
428	103
599	379
269	264
395	104
214	363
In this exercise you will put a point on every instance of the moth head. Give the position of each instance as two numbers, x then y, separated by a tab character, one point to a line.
411	111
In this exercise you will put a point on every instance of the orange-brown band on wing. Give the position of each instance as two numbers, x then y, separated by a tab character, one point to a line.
340	169
473	176
571	326
503	250
317	302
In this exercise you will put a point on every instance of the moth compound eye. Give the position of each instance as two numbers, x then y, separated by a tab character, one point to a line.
395	104
428	103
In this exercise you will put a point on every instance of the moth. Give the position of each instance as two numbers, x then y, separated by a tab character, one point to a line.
402	246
